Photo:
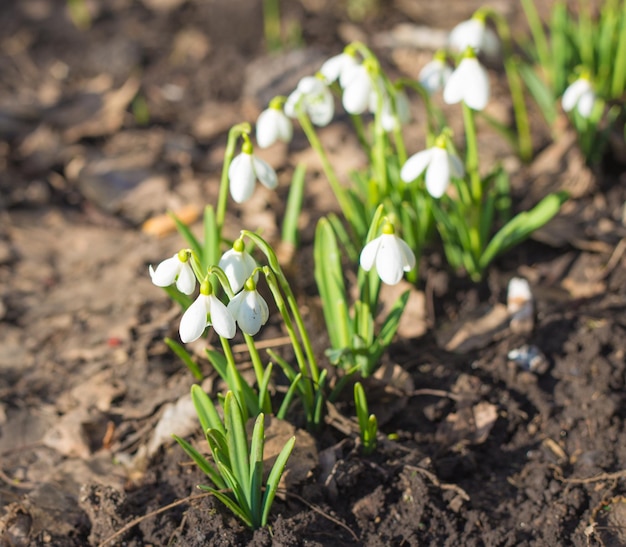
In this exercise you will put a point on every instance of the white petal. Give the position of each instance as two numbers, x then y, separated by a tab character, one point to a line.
321	108
235	304
166	272
368	254
334	67
457	169
467	33
186	282
241	175
434	75
265	173
454	89
194	320
221	319
267	128
408	256
573	94
252	312
415	165
490	45
390	260
285	127
292	102
438	173
357	92
238	267
585	103
477	85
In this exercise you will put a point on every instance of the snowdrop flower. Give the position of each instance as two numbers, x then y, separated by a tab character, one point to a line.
468	83
314	98
580	94
391	255
206	310
390	119
273	125
334	68
357	88
435	74
439	165
249	309
245	169
475	34
238	265
175	269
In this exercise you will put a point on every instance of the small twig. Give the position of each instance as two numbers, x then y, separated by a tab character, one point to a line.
136	521
436	393
558	474
15	483
320	512
444	486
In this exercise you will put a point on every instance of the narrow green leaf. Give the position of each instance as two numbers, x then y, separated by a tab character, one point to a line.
231	504
293	387
274	478
184	356
237	441
211	253
205	409
201	462
290	232
256	469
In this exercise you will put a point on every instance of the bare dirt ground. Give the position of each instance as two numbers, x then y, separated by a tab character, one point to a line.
104	128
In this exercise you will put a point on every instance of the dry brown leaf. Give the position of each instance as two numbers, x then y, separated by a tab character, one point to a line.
163	225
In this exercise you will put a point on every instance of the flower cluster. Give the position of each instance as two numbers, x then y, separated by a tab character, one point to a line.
246	308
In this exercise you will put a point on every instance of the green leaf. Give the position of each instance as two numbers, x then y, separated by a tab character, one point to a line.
522	226
290	232
330	284
237	441
201	462
191	240
274	478
205	409
231	504
256	469
293	387
211	253
184	356
543	95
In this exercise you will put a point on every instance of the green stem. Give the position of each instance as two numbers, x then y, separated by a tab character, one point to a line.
222	200
259	371
471	158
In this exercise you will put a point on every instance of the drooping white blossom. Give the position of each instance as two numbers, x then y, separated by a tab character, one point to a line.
244	170
206	310
434	74
315	100
389	254
468	83
273	125
334	68
439	164
579	95
249	309
238	265
357	89
176	269
475	34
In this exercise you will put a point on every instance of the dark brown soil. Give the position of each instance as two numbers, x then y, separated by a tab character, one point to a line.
106	127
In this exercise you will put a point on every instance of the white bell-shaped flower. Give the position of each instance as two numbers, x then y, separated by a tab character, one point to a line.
357	89
439	164
315	100
245	169
468	83
434	74
249	309
206	310
581	95
273	125
238	265
390	254
475	34
176	269
334	68
390	119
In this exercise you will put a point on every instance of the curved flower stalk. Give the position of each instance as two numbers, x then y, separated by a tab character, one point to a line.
439	165
249	309
468	83
273	124
206	310
435	74
238	265
245	169
476	34
390	254
313	98
176	269
579	95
